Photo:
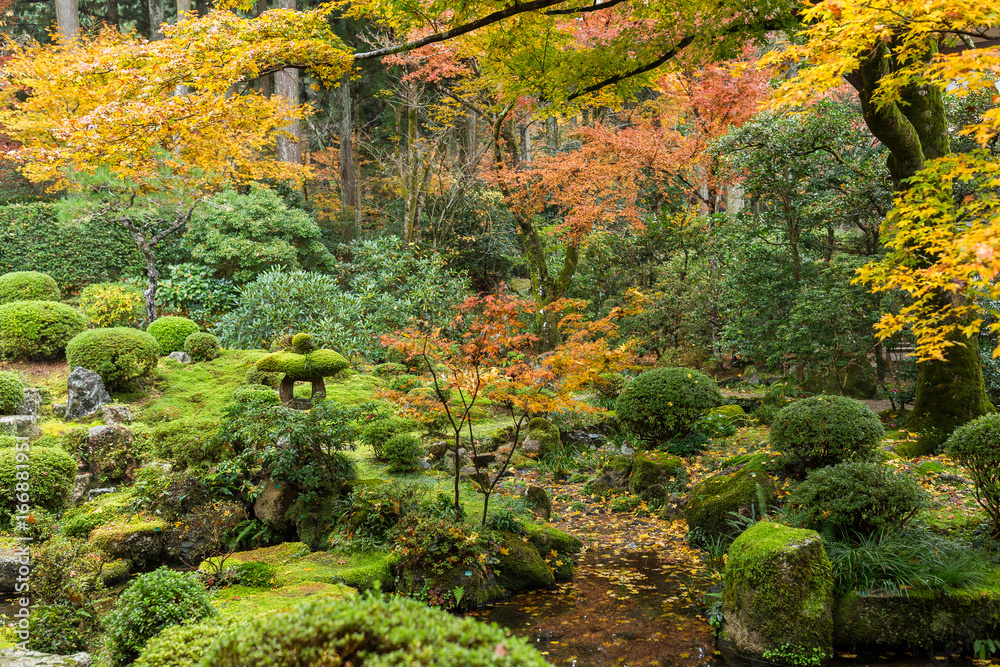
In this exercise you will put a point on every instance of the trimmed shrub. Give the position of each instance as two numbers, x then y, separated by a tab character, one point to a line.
37	329
171	331
184	645
11	392
118	354
666	402
403	452
256	393
155	600
51	473
855	496
392	631
28	286
825	430
202	346
976	445
112	304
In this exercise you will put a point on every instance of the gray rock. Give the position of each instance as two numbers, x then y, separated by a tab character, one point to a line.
59	410
22	426
437	449
116	414
16	658
627	451
954	479
110	453
94	493
273	504
531	446
182	357
86	393
10	563
81	486
32	405
538	500
484	459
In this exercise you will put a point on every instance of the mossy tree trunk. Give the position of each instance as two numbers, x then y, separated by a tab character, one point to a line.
914	130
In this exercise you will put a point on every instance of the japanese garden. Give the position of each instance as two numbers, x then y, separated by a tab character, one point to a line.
559	332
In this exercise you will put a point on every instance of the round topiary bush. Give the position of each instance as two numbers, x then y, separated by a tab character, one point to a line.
825	430
11	392
28	286
403	452
51	473
371	630
171	331
976	445
155	600
666	402
202	346
37	329
855	496
112	304
118	355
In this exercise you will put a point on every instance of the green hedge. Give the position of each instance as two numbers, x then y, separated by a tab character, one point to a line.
37	329
11	392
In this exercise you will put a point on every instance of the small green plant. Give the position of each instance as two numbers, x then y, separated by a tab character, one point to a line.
798	656
403	452
171	331
578	506
625	503
154	601
11	392
984	648
374	512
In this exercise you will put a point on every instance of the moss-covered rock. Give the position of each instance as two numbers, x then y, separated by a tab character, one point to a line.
734	414
918	621
556	547
612	476
522	567
542	438
778	598
742	491
318	363
538	501
138	539
656	474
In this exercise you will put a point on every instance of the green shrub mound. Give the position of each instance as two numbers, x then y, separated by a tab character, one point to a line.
403	452
319	363
201	346
825	430
370	631
112	304
11	392
666	402
189	442
171	331
256	393
976	445
51	473
28	286
184	645
855	497
155	600
37	329
118	354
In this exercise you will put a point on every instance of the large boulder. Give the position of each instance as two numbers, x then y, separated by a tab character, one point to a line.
747	490
138	540
522	567
13	657
86	393
538	501
777	604
542	438
33	400
21	426
111	454
11	562
272	506
655	475
612	476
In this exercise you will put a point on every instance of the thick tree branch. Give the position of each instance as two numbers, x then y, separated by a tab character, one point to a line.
589	8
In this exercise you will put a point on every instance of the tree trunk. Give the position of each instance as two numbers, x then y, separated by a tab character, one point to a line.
68	20
183	7
286	83
157	16
111	15
949	392
348	186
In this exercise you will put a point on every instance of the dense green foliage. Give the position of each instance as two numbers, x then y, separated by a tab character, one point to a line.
855	497
11	392
825	430
37	329
193	291
256	393
666	402
119	354
976	446
188	442
112	304
403	452
371	630
201	346
171	331
28	286
152	602
185	644
50	476
240	236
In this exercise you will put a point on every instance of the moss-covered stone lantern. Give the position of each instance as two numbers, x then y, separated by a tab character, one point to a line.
302	363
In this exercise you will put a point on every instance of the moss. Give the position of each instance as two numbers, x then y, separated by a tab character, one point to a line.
547	538
655	474
303	343
242	602
115	572
138	539
918	621
778	592
388	370
522	567
546	434
711	501
319	363
612	477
